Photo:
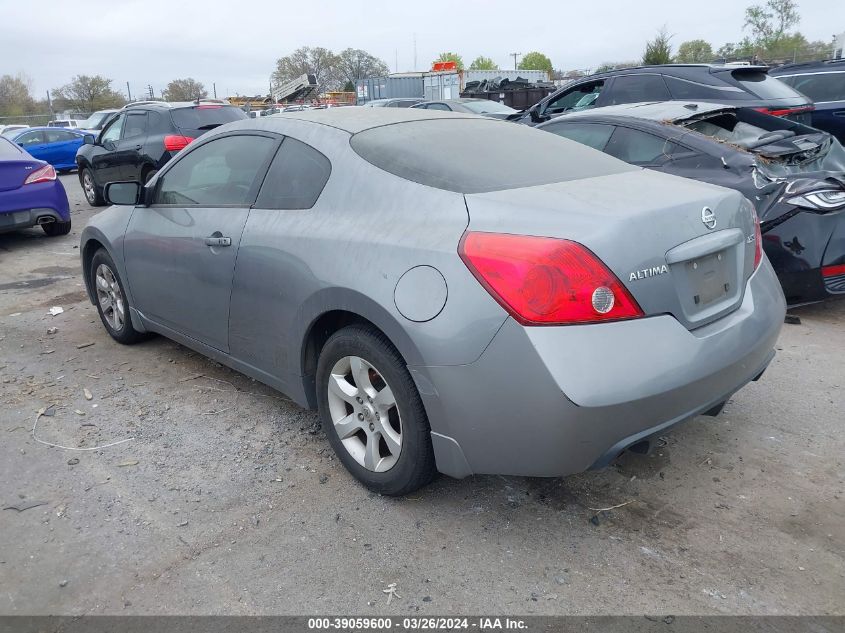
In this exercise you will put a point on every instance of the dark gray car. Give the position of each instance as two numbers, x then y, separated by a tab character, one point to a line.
453	293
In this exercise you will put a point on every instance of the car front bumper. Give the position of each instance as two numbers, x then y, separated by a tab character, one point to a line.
550	401
21	208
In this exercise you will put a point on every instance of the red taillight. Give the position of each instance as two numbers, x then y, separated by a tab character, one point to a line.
546	281
833	271
785	111
758	242
175	142
44	174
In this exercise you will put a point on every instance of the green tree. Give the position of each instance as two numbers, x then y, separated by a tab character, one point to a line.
605	66
15	97
694	52
536	61
354	64
658	50
320	62
770	22
184	90
451	57
483	63
87	94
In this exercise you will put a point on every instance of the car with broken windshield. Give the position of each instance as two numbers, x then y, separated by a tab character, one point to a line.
794	174
452	293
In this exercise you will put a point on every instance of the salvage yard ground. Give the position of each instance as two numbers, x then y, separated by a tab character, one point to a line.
227	498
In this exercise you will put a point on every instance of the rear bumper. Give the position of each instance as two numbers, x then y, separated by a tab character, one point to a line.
21	208
558	400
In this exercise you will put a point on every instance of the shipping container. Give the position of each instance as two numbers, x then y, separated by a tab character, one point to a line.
389	87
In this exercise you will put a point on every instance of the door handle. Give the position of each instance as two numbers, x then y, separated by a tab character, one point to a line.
218	241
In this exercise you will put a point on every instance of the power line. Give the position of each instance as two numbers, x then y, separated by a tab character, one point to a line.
515	55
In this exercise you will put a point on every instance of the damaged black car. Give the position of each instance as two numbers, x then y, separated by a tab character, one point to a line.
794	175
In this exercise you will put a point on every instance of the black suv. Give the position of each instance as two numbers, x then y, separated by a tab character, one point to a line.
824	83
743	86
139	139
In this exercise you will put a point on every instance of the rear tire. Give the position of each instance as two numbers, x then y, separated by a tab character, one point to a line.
54	229
112	304
388	419
89	188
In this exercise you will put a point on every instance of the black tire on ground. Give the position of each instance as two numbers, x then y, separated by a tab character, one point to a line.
127	334
415	466
93	196
54	229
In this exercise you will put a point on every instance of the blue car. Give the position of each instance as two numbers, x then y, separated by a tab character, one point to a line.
30	193
53	145
824	83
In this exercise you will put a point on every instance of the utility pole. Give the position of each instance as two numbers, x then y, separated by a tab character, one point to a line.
150	90
214	86
128	91
415	52
396	52
515	55
50	104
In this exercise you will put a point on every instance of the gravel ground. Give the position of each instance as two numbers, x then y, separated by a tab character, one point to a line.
227	500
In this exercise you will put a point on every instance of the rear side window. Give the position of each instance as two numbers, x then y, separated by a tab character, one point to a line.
638	88
135	125
640	148
764	86
473	156
595	135
296	177
9	149
205	117
686	89
820	87
30	138
222	172
59	136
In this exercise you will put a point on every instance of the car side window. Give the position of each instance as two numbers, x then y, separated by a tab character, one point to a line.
576	98
638	88
439	106
222	172
296	177
595	135
640	148
58	136
30	138
112	131
135	125
820	87
688	89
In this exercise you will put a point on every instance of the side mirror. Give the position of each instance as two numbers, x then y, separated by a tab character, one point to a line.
123	193
89	139
535	115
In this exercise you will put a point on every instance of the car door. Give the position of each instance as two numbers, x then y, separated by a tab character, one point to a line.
62	146
128	150
580	97
637	88
180	250
103	163
34	143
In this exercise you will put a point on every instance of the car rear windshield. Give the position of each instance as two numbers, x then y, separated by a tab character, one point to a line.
206	117
475	156
486	106
763	86
8	150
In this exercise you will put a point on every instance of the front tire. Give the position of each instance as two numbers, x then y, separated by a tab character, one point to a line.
372	413
89	187
54	229
112	305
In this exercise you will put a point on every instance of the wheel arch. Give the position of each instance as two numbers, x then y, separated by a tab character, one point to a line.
89	248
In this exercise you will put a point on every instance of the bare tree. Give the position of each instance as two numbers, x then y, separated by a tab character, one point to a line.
184	90
15	96
86	94
320	62
354	64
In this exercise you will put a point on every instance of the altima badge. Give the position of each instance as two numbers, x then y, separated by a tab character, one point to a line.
708	218
645	273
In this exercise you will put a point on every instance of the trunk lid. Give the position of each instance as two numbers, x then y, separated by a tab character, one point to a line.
654	231
13	173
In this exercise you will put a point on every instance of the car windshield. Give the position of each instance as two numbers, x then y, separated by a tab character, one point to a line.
95	121
479	155
12	131
206	117
487	107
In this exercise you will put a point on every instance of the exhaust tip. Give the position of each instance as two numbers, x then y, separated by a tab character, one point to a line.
45	219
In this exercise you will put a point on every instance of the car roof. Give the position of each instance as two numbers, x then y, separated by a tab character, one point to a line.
171	105
670	69
52	129
825	64
353	119
652	110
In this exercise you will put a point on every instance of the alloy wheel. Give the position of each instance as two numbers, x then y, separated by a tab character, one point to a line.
88	187
110	297
364	414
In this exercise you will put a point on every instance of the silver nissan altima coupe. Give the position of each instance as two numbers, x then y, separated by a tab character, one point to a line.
452	293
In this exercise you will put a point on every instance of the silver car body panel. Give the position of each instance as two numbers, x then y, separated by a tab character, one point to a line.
500	397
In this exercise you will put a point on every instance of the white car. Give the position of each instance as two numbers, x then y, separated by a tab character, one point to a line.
69	123
12	128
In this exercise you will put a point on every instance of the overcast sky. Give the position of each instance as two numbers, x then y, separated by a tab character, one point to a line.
235	42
